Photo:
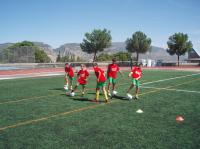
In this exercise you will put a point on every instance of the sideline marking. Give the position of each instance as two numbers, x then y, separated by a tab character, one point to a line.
178	90
171	78
77	110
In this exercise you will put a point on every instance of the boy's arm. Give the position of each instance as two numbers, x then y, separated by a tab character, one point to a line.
121	74
129	75
98	76
108	69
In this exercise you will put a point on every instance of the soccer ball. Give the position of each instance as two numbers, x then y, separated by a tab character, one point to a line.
114	92
72	94
65	87
129	96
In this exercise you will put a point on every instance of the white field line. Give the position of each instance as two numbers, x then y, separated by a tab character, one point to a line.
30	75
178	90
171	78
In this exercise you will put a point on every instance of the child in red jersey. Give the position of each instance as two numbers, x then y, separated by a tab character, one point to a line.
136	75
83	75
101	82
69	76
112	71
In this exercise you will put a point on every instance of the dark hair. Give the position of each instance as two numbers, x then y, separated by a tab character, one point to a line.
140	64
83	65
95	64
114	59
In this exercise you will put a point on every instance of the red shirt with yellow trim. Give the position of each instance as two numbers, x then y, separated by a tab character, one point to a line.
137	73
83	75
69	70
113	70
100	74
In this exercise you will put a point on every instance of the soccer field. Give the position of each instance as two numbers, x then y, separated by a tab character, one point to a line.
36	113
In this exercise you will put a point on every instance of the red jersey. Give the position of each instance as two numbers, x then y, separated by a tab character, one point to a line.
113	70
137	73
83	75
69	71
100	74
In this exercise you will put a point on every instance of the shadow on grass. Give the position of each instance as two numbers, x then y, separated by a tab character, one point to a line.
119	97
57	89
93	93
82	99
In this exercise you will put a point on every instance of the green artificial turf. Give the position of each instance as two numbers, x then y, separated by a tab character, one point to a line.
36	113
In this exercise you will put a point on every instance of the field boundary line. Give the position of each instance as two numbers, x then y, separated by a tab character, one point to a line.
171	86
178	90
78	110
171	78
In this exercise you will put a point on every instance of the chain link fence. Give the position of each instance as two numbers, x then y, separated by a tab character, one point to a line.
25	54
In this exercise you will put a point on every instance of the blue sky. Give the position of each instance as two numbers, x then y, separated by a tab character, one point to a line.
56	22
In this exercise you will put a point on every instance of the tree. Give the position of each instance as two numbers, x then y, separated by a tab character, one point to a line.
104	57
122	56
25	51
58	59
96	41
178	44
41	56
139	43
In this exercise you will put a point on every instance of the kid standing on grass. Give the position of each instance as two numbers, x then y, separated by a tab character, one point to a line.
136	75
83	75
69	76
112	71
101	82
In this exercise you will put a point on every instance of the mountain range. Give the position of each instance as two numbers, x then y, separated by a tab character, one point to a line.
156	53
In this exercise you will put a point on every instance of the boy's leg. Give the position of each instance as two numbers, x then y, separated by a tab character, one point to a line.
105	94
66	82
71	82
75	88
131	86
97	94
83	90
137	89
113	84
109	83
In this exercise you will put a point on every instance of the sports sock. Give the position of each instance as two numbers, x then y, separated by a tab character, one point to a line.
97	95
106	96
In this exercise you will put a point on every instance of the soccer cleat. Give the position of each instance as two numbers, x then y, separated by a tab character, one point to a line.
129	96
136	97
106	100
82	94
114	93
109	94
66	87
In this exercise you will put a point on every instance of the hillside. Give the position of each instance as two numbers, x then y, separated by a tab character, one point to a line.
47	48
156	53
5	45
